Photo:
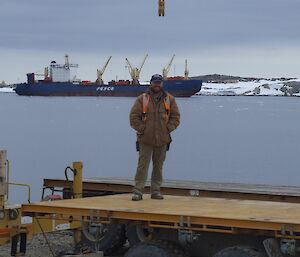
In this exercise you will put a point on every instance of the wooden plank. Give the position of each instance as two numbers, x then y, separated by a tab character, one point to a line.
244	213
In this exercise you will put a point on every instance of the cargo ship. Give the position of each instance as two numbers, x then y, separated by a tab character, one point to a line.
57	82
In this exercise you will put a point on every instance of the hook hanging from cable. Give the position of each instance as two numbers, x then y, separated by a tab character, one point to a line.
161	7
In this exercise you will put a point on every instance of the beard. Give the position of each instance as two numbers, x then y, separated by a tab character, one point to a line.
156	89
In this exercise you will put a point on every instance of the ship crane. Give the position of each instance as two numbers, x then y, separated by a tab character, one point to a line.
45	74
100	72
166	70
135	72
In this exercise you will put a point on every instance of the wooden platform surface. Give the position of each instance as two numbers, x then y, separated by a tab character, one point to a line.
275	190
242	213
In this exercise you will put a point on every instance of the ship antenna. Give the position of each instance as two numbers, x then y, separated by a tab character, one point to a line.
186	71
68	64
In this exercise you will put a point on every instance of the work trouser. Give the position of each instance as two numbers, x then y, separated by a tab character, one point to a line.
158	155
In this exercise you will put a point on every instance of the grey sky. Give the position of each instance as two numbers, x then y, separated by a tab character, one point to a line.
239	37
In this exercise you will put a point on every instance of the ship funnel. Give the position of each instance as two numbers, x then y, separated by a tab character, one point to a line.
30	78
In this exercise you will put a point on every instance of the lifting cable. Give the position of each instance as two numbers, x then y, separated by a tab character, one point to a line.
46	239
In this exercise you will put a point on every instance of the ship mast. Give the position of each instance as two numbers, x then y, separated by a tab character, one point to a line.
186	71
100	72
69	65
135	72
60	72
166	70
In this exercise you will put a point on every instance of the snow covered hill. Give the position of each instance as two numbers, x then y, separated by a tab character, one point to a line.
261	88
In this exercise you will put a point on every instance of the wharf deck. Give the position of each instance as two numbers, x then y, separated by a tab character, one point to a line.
98	186
181	212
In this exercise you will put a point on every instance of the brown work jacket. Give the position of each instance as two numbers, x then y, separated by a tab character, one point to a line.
156	129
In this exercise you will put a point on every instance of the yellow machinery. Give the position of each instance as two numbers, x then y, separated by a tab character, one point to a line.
135	72
215	223
264	226
161	7
166	70
100	72
11	227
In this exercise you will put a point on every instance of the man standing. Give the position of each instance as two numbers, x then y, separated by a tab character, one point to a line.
154	116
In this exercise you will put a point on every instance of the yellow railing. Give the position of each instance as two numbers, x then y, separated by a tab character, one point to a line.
16	184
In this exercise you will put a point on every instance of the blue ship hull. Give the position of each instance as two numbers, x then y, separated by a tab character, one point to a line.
180	88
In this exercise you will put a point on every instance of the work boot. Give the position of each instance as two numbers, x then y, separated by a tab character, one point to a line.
137	196
157	195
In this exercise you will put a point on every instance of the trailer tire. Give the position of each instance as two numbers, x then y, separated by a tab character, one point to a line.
239	251
110	240
136	234
156	249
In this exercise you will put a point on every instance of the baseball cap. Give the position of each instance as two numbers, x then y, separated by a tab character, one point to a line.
156	78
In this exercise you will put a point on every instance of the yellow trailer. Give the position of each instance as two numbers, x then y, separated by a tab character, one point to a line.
178	225
280	220
194	219
187	218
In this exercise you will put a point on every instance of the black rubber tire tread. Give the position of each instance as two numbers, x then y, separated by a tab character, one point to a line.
239	251
132	235
113	240
158	248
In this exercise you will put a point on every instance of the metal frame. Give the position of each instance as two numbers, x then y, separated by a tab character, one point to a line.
207	224
94	187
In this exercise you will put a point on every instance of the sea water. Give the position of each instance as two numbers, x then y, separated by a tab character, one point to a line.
220	139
